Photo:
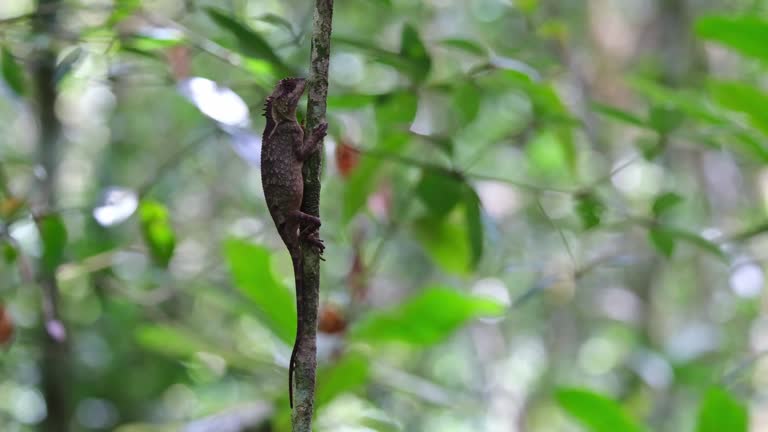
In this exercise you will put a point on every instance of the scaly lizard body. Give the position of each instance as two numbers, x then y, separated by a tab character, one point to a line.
285	147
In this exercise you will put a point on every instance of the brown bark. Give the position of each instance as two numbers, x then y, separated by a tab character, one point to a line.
306	355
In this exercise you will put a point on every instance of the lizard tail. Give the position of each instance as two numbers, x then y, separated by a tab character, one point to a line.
298	272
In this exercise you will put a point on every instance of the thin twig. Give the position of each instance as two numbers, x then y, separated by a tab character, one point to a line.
206	45
559	231
389	231
451	172
744	235
172	161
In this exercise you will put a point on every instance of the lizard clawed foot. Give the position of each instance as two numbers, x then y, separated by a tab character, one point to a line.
320	130
316	243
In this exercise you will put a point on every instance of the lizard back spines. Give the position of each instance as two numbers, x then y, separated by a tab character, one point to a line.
270	124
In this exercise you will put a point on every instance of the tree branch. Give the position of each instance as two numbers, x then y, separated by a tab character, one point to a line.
306	343
55	353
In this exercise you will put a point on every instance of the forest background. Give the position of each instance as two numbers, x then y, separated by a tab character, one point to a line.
540	215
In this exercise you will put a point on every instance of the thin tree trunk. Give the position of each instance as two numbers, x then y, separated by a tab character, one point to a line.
306	351
55	357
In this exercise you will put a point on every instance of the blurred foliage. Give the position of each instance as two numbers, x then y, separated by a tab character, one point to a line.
540	215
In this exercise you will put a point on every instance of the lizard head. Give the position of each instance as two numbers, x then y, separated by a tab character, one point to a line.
285	98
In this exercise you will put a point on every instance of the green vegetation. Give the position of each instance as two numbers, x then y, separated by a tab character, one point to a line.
539	215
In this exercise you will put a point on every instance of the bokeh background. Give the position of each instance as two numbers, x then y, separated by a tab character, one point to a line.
540	215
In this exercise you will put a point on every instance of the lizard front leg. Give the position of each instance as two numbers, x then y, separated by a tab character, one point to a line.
312	142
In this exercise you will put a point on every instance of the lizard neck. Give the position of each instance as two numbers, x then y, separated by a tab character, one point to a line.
274	117
284	118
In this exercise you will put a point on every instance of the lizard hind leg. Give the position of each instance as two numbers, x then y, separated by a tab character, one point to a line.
308	233
306	220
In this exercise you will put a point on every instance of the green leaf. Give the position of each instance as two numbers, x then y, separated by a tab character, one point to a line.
570	152
619	115
663	241
745	99
515	78
397	108
349	101
750	145
414	69
278	21
170	341
155	42
721	412
466	100
139	52
122	9
546	101
446	242
452	233
13	75
348	374
650	147
466	45
9	253
426	319
65	66
688	102
413	49
251	270
474	222
393	111
596	412
527	6
664	119
157	231
548	155
744	34
53	234
698	241
364	178
445	144
359	186
590	210
251	43
665	202
439	192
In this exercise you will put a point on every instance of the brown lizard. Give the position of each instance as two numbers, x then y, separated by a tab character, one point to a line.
285	147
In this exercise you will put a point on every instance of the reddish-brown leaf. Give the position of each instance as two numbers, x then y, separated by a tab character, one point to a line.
347	158
6	327
178	60
331	320
10	206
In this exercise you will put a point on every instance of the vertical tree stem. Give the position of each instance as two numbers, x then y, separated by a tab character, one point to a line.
55	356
306	354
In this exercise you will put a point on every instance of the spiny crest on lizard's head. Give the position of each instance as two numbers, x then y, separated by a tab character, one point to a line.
285	98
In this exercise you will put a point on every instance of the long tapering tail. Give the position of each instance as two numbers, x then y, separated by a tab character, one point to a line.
298	273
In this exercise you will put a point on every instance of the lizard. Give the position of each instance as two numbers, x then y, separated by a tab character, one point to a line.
285	147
